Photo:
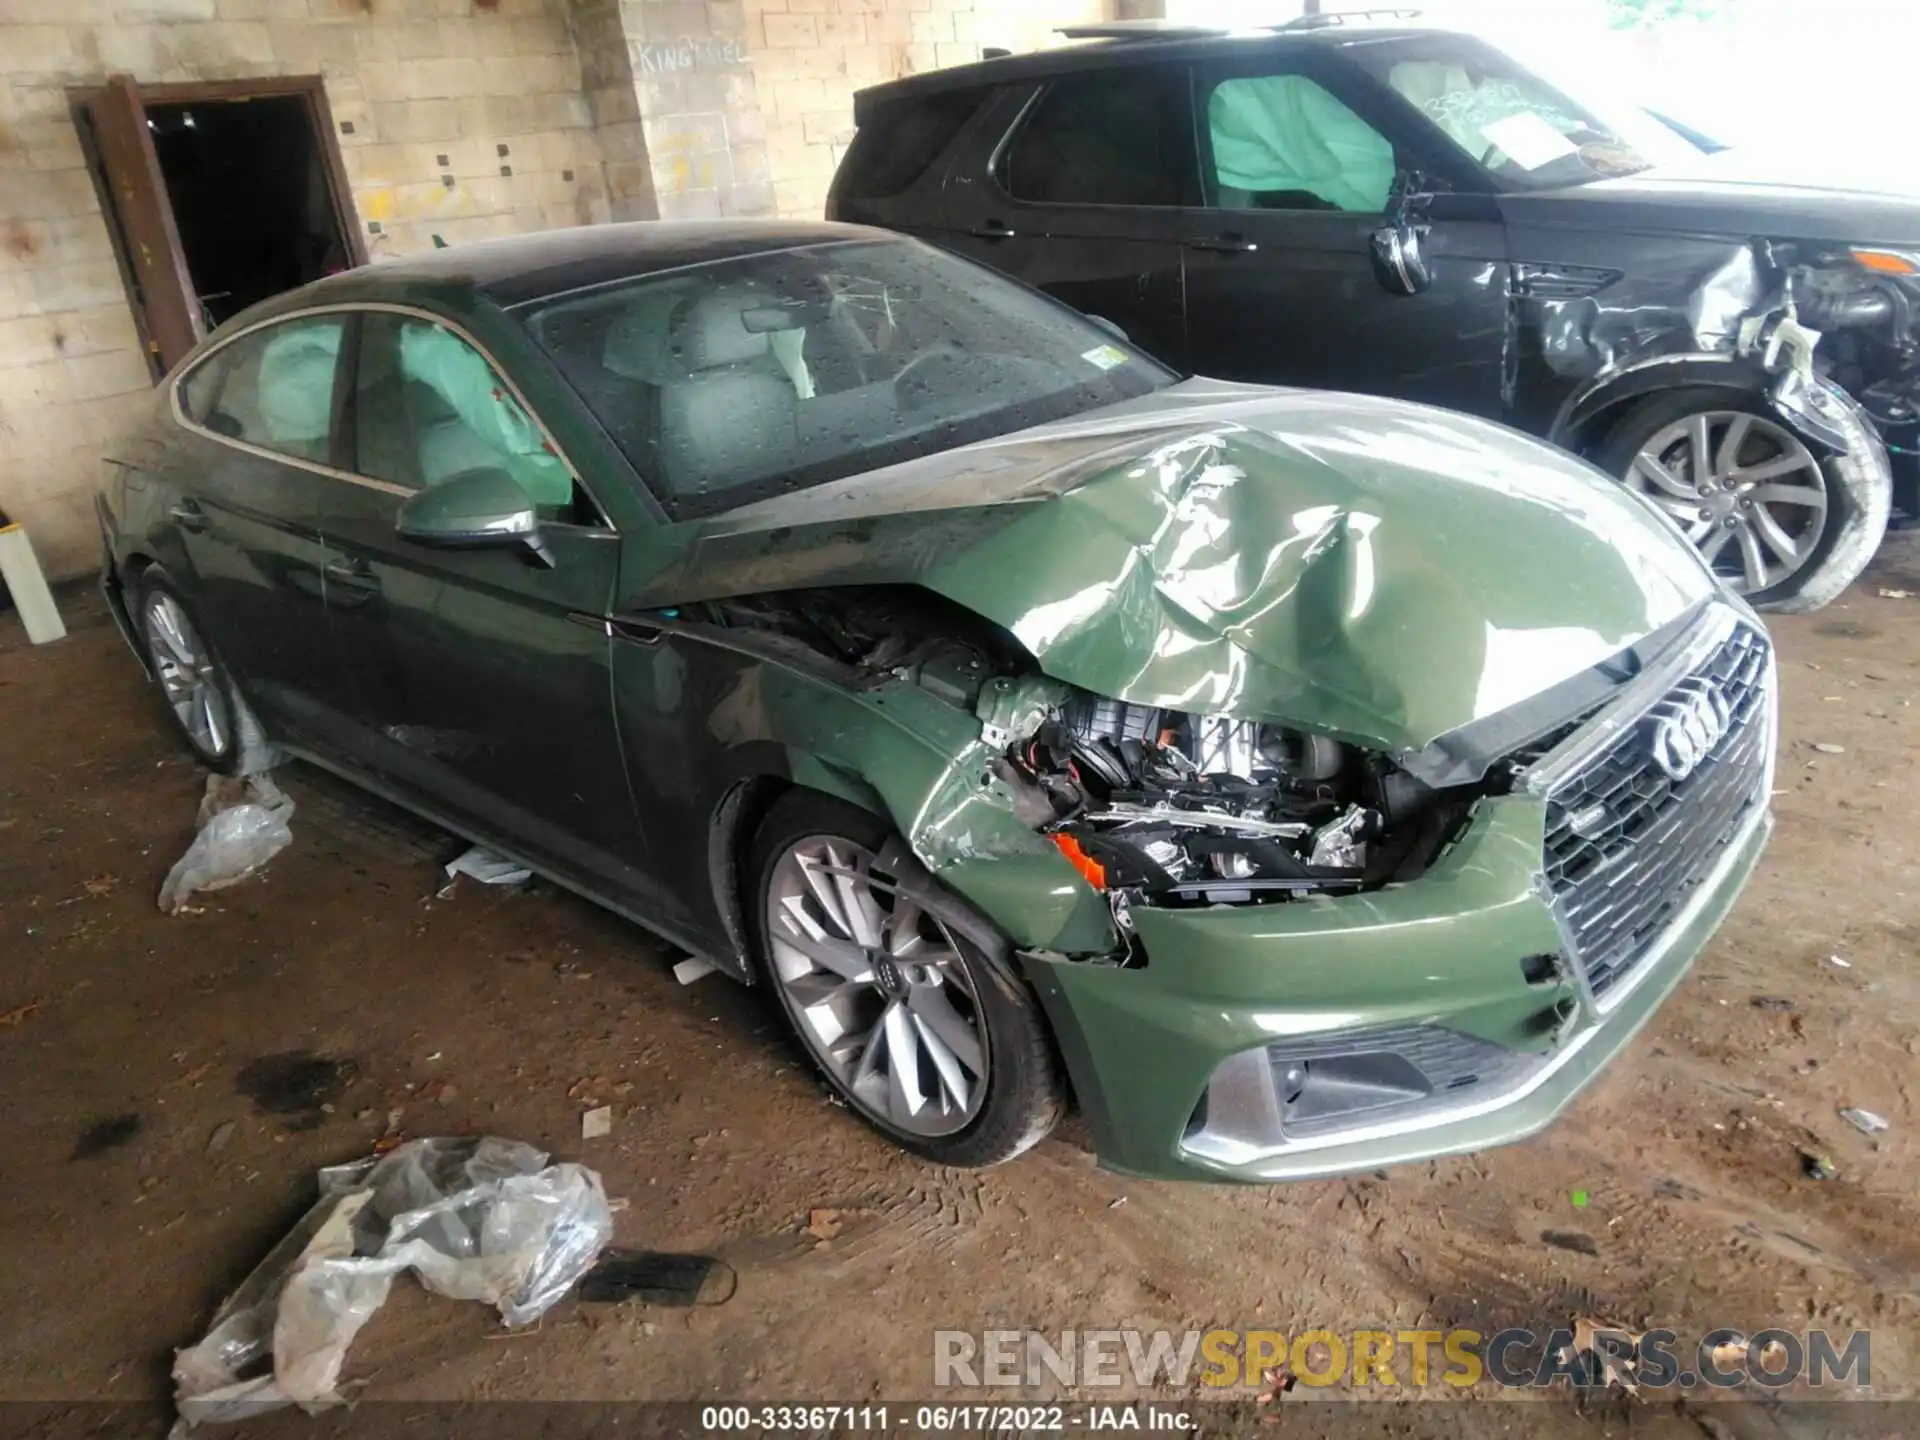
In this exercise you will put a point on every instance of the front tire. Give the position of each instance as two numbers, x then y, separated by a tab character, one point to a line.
1787	529
932	1042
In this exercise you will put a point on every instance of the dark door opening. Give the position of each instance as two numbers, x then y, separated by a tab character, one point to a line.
218	196
250	198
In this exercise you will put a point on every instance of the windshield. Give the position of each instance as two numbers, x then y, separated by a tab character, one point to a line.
725	382
1507	119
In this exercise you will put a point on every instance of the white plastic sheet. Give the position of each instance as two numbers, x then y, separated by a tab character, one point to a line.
475	1218
243	825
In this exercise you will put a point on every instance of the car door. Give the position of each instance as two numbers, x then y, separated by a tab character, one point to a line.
1076	187
1298	163
251	470
480	676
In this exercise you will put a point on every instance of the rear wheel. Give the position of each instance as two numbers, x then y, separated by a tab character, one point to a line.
207	709
927	1038
1779	524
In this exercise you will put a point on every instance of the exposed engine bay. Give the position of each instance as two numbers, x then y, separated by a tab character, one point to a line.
1150	805
1158	806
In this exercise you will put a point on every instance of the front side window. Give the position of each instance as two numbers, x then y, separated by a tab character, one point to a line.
273	388
736	379
1501	115
1112	137
428	406
1285	142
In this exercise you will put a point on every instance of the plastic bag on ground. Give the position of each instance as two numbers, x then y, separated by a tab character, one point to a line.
243	824
485	866
475	1218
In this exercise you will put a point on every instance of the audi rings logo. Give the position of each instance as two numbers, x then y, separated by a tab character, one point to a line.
1688	724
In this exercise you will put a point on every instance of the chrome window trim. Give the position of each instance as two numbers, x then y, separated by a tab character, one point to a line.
389	487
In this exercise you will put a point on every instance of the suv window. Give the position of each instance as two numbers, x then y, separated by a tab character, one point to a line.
1109	137
273	388
899	139
428	406
1283	142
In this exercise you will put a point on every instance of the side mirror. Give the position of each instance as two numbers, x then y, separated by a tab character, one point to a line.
1399	246
473	510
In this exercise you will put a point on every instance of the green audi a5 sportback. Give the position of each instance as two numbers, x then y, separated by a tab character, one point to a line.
1304	782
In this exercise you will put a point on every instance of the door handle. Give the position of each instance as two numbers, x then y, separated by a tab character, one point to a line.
351	575
188	516
1229	243
992	230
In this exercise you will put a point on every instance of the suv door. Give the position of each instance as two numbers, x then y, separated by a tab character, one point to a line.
1297	167
253	466
1083	198
480	676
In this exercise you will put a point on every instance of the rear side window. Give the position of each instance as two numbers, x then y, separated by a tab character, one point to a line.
1110	137
273	388
899	139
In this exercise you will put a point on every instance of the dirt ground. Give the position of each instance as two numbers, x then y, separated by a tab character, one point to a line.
151	1155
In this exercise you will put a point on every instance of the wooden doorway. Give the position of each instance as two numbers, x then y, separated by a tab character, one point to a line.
217	195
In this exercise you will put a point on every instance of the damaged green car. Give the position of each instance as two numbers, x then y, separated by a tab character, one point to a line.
1300	782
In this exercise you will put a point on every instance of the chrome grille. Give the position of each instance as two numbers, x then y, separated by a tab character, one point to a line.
1627	844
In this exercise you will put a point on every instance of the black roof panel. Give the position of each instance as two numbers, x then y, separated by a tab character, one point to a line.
519	268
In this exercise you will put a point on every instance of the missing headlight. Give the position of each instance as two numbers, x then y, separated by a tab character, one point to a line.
1176	809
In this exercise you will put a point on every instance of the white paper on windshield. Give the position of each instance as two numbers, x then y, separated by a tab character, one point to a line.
1104	356
1528	140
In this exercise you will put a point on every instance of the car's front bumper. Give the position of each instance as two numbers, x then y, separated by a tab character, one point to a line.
1461	988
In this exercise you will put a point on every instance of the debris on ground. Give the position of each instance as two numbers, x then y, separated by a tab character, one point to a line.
474	1218
19	1015
1825	749
1779	1004
1888	594
596	1122
824	1223
1816	1166
693	968
1577	1241
1273	1385
1865	1121
1604	1353
243	825
221	1137
105	1135
479	863
1843	964
651	1277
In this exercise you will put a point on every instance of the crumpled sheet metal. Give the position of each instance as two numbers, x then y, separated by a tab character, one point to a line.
897	750
474	1217
1677	308
1379	572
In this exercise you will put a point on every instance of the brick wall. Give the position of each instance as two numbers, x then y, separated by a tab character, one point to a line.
599	109
424	92
809	56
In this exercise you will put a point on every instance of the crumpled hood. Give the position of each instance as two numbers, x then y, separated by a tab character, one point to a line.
1382	572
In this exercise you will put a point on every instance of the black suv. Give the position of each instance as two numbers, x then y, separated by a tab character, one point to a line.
1410	212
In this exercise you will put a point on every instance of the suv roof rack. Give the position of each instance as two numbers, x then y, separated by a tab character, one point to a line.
1174	30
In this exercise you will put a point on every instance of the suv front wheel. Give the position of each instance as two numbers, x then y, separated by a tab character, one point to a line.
1779	524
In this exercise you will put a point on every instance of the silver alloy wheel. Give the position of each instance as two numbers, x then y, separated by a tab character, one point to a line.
1731	478
877	988
188	675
